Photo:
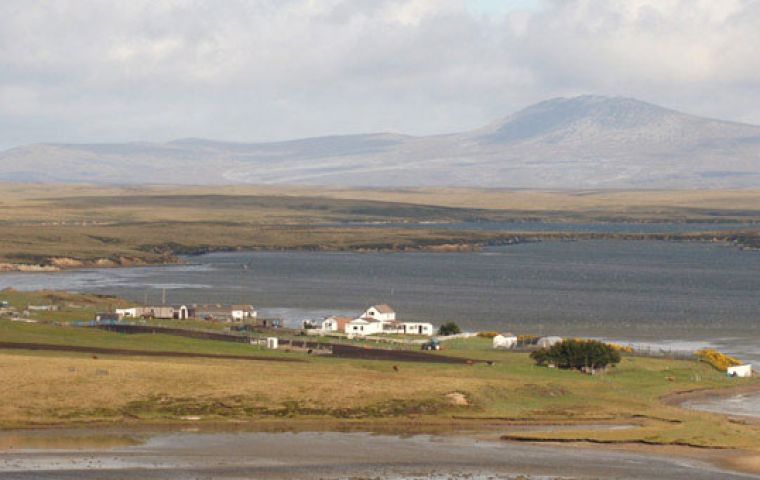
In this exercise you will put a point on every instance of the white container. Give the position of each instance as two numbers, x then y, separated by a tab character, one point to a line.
272	343
740	371
504	342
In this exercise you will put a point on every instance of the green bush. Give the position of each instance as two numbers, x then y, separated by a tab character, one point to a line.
577	354
449	328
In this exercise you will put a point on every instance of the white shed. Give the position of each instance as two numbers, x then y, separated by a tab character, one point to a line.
417	328
548	342
504	342
740	371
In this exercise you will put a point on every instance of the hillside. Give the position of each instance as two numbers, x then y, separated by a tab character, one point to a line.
581	142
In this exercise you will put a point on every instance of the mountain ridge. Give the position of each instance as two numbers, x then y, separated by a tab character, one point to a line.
579	142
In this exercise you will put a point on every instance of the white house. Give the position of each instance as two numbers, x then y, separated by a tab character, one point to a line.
382	312
416	328
740	371
365	326
504	342
335	324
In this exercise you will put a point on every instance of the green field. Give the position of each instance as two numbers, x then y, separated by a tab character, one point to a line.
53	388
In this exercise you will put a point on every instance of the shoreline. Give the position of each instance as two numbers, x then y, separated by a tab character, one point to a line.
104	438
677	399
174	256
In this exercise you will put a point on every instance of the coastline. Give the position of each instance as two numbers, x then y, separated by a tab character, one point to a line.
679	398
171	254
92	441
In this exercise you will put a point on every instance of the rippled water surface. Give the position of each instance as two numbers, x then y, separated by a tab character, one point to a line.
743	404
172	456
664	294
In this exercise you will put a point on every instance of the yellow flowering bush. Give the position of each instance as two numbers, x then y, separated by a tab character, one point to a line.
487	334
621	348
721	361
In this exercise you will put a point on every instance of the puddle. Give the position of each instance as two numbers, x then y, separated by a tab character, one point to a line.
746	404
563	428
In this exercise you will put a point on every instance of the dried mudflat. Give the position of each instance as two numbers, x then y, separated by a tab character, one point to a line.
141	454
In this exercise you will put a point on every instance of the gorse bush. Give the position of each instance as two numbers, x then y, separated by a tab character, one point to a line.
577	354
488	334
621	348
721	361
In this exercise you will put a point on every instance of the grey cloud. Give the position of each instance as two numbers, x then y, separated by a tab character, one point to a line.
89	71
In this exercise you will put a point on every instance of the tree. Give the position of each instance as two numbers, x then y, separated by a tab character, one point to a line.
577	354
449	328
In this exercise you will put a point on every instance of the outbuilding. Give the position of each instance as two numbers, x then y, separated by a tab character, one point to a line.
416	328
740	371
335	324
548	342
504	342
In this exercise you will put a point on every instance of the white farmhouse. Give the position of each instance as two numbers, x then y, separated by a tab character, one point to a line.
365	326
382	312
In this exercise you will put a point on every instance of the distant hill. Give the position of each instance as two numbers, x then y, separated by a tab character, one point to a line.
581	142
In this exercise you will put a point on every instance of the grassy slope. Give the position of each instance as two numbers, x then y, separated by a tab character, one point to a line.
58	388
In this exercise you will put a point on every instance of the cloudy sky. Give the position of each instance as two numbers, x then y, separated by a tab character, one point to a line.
255	70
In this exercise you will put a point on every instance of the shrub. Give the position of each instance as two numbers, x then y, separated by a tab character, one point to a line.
577	354
449	328
487	334
621	348
721	361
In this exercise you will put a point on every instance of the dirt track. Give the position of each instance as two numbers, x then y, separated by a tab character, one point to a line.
349	351
340	351
137	353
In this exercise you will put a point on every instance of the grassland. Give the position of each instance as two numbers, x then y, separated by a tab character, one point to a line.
54	226
60	388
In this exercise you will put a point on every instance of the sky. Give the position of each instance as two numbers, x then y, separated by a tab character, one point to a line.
93	71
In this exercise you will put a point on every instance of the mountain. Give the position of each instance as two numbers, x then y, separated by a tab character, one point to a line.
580	142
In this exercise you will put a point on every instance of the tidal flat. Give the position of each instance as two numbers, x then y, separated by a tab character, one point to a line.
329	455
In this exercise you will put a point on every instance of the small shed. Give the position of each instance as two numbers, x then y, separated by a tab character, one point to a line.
272	343
504	342
548	342
740	371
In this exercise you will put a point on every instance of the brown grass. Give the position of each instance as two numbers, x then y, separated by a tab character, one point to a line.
57	388
72	226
